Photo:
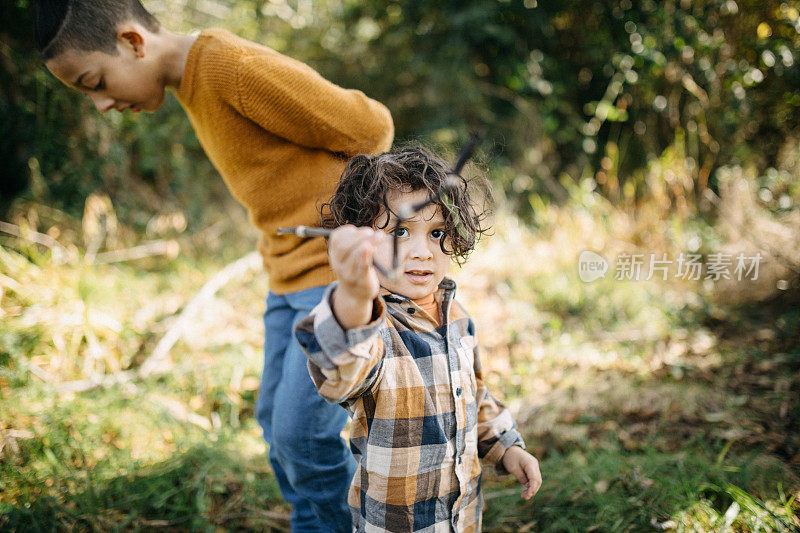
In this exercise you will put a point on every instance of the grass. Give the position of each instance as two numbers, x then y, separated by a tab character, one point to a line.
651	406
605	490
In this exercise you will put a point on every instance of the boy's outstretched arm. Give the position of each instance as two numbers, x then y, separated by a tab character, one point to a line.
291	100
350	250
341	336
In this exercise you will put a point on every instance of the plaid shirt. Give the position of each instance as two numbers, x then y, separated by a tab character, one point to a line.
422	415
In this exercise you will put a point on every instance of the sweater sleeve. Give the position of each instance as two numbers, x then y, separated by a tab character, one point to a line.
291	100
343	363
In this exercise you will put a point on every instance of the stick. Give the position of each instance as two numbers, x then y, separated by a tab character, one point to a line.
409	210
83	385
154	363
466	153
307	231
304	231
59	251
41	373
168	248
180	412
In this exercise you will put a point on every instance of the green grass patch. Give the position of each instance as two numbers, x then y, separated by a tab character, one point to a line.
690	490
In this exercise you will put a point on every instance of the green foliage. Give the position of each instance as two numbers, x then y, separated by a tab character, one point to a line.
615	491
557	87
562	85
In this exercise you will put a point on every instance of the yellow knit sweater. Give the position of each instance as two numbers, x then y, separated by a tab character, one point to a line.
280	135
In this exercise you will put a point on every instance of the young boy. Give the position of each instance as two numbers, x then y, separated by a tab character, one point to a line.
399	353
280	135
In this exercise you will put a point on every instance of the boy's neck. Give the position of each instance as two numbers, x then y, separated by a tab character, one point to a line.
425	300
173	50
430	306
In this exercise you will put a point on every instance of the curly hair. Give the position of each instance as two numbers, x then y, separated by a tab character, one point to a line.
360	197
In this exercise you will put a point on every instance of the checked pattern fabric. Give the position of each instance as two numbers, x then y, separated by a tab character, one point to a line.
422	417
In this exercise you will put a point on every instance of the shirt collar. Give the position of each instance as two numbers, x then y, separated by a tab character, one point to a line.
402	304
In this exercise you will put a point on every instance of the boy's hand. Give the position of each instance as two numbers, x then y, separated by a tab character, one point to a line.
350	250
525	468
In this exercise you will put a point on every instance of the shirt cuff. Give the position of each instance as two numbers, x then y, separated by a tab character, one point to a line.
505	440
336	341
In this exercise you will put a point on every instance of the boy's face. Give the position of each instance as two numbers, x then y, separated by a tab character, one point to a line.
128	80
421	262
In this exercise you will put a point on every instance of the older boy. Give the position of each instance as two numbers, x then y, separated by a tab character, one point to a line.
279	134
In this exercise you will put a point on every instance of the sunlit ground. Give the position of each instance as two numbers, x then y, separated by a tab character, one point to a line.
651	405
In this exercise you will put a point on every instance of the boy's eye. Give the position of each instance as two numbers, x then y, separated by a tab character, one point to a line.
99	85
400	231
437	234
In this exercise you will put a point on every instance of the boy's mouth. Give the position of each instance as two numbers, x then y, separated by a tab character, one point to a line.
133	108
419	276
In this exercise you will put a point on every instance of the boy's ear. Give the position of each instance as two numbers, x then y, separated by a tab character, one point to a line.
132	36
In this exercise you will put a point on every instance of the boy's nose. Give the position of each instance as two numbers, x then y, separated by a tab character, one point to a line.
102	103
420	249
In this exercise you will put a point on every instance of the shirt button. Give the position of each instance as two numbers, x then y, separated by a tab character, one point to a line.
459	459
458	391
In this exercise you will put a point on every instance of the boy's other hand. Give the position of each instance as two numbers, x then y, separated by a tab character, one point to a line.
350	250
525	468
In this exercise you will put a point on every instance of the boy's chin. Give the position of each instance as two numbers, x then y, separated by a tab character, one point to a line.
154	105
414	292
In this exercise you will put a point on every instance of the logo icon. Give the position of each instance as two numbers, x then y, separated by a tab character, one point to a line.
591	266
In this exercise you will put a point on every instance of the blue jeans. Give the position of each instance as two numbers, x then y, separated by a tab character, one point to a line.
312	463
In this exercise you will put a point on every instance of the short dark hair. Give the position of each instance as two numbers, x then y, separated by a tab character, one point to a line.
360	197
89	25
